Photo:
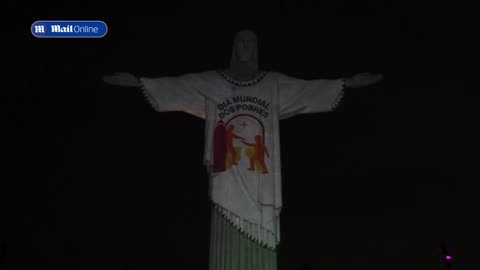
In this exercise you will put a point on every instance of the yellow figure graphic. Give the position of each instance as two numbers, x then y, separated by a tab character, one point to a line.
258	155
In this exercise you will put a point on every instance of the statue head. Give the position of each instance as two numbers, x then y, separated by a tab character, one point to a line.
245	49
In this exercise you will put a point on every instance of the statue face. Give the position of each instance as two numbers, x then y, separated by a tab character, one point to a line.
246	43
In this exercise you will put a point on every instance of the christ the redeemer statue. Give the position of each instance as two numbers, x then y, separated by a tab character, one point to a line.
242	106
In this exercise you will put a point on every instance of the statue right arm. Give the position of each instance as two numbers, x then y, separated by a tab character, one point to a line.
169	93
124	79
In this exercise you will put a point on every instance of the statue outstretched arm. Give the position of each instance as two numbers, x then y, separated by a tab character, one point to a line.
362	80
168	93
299	96
124	79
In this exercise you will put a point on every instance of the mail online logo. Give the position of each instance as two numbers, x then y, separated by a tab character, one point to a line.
69	29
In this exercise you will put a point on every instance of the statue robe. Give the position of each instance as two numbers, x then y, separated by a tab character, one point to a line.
242	144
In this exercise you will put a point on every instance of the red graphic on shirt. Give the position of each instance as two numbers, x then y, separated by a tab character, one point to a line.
241	140
219	148
260	150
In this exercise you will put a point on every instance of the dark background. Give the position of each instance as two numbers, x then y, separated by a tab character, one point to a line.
104	182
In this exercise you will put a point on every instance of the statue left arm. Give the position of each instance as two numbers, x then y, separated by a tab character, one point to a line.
362	80
298	96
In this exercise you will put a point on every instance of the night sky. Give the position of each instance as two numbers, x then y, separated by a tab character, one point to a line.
104	182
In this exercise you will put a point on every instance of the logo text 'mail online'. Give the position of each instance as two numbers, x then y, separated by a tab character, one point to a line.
69	29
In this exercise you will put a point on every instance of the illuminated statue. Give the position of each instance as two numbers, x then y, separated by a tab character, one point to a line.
242	106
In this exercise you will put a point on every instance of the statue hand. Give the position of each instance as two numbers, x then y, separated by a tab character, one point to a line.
362	80
122	79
